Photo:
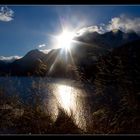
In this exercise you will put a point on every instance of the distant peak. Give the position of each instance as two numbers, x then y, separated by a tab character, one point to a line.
93	33
96	33
116	30
34	52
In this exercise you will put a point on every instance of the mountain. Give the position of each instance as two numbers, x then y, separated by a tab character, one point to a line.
30	59
116	38
117	83
81	60
4	68
27	65
111	39
121	66
117	90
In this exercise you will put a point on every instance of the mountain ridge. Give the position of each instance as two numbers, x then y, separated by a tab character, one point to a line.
57	63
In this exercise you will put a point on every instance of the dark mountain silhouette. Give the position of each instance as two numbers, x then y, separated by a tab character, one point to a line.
4	68
27	65
123	62
114	38
117	83
80	61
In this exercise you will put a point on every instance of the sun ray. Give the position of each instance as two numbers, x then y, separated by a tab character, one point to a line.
54	62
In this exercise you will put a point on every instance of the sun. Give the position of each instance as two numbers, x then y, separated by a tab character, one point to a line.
65	39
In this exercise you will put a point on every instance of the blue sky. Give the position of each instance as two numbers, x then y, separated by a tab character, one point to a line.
32	26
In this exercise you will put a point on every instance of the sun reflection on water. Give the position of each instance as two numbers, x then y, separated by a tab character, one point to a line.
71	100
66	98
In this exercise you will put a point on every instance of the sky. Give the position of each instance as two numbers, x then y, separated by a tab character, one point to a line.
23	28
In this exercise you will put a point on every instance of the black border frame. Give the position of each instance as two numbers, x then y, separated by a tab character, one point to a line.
70	2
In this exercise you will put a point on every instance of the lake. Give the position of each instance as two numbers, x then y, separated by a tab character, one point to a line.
74	97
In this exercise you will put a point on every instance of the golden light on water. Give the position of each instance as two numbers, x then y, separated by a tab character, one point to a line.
71	100
66	98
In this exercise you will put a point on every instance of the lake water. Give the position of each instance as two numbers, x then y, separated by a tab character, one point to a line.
73	97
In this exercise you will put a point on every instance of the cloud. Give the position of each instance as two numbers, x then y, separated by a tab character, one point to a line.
90	29
42	49
10	58
6	14
125	23
41	45
122	22
46	51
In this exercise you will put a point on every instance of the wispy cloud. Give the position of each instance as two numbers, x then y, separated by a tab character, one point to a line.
125	23
41	45
122	22
95	28
46	50
9	58
42	48
6	14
